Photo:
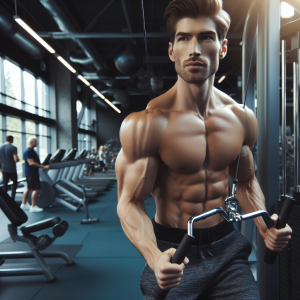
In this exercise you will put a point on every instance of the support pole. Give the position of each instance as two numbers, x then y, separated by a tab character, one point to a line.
268	79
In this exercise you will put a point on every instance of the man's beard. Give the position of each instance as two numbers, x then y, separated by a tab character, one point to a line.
194	76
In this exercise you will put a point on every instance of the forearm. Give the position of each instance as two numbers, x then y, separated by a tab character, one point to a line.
34	164
139	230
251	199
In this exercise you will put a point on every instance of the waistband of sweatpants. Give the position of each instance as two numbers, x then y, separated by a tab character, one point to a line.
203	236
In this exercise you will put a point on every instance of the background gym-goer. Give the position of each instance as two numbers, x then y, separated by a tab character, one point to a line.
9	158
32	164
101	158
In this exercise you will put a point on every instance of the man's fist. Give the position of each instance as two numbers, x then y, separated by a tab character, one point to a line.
168	275
47	167
277	239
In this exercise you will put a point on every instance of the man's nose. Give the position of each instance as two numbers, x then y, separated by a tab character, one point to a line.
195	48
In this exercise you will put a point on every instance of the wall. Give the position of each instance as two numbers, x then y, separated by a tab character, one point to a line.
63	93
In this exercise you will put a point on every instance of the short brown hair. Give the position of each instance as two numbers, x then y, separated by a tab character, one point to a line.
10	138
178	9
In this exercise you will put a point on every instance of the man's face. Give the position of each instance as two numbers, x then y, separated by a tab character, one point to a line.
196	50
34	143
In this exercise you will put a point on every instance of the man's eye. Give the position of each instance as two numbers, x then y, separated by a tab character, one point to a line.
181	39
206	37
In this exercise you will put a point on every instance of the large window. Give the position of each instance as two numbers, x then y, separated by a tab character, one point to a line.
23	91
12	92
86	119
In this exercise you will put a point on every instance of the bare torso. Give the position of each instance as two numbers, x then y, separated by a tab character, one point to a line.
194	156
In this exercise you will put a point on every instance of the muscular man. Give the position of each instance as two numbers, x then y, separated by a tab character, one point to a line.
182	149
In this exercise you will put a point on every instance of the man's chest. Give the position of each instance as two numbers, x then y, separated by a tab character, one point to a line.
190	144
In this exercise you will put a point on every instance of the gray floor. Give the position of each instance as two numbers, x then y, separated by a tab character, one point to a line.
107	266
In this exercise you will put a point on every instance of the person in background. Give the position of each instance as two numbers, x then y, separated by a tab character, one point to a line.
101	158
32	164
113	158
9	158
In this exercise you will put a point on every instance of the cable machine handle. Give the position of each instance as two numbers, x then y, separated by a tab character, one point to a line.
270	256
178	258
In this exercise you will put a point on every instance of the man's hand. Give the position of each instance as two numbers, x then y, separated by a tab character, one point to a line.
277	239
46	167
168	275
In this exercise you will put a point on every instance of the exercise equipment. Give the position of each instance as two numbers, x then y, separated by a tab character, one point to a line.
65	192
288	258
17	217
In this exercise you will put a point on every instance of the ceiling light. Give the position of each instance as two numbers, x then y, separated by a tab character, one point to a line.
66	64
114	107
221	79
35	35
97	92
287	11
83	80
106	100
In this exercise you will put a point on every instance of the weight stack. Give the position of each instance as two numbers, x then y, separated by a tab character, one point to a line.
289	259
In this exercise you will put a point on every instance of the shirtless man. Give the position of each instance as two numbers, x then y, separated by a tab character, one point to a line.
182	149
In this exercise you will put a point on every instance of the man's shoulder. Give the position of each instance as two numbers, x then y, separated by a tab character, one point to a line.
141	132
148	119
245	115
26	151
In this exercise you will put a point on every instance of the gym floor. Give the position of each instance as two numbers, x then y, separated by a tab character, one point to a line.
106	266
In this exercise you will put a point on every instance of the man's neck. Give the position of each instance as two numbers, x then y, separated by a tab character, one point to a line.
7	143
30	147
196	97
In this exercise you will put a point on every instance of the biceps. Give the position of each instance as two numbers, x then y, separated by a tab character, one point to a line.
135	179
246	166
30	160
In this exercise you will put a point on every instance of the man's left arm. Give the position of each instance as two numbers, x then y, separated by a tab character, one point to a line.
249	193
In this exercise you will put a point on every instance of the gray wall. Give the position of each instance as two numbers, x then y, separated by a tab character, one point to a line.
63	97
108	124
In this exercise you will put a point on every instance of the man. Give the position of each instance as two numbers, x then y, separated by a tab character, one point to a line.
32	163
182	149
9	158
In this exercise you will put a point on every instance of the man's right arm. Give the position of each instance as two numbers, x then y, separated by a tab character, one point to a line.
136	169
32	163
16	158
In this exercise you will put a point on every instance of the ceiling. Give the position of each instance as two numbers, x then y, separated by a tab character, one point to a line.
107	16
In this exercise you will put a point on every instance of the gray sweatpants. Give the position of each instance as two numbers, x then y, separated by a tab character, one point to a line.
218	271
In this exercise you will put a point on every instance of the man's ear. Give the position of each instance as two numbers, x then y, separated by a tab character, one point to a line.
171	52
223	50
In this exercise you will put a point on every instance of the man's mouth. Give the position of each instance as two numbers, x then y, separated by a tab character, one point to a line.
194	65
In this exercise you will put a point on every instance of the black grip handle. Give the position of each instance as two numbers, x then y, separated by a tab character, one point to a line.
178	258
60	229
270	256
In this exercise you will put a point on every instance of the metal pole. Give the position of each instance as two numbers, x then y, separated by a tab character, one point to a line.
268	115
295	104
283	121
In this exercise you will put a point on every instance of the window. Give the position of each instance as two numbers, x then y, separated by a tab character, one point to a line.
14	128
78	107
43	142
24	91
29	92
86	119
42	95
12	76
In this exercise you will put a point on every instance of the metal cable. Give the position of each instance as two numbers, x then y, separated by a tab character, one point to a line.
146	50
16	8
239	157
